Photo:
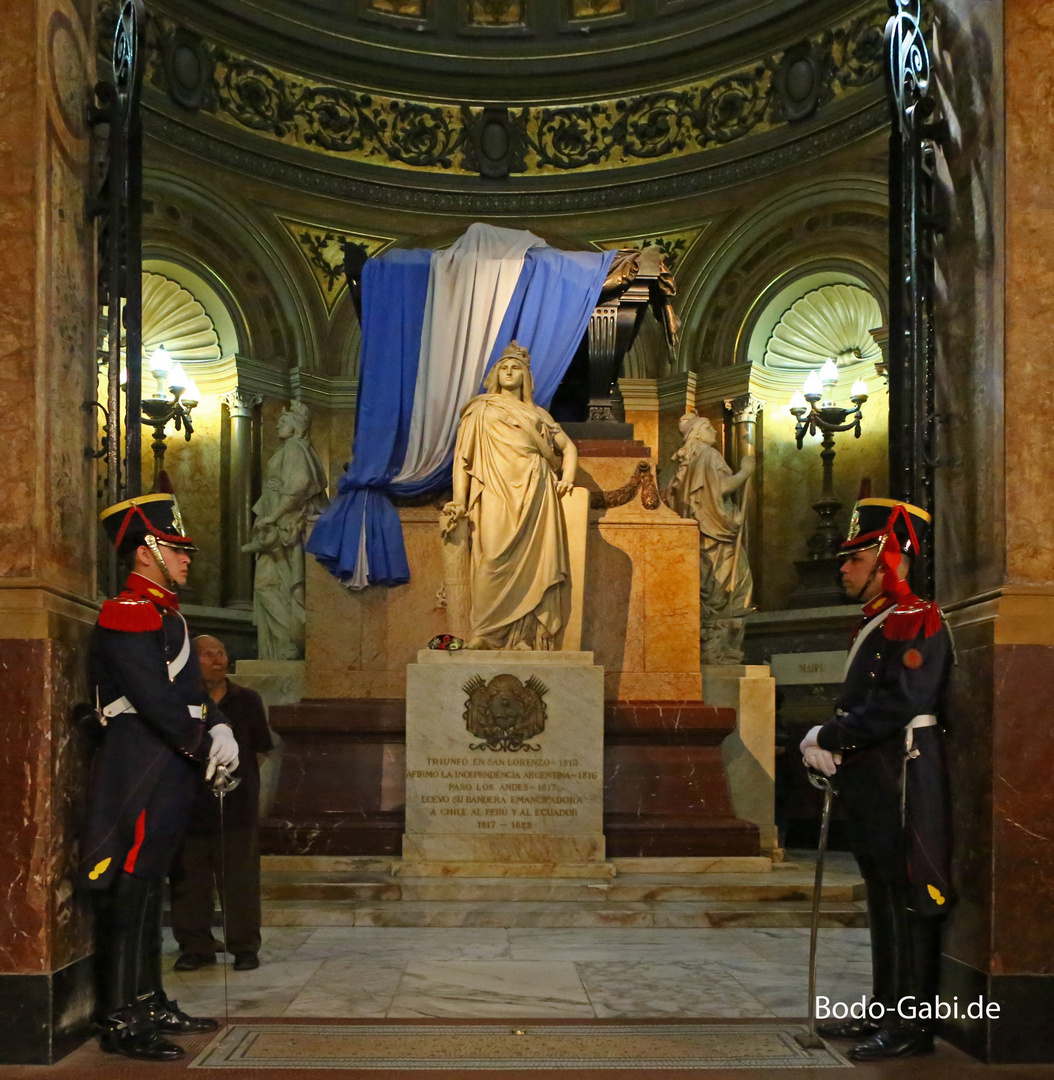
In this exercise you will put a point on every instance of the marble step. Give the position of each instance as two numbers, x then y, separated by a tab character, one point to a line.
385	864
409	913
629	888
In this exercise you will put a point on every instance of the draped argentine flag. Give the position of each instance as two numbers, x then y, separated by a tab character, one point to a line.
433	323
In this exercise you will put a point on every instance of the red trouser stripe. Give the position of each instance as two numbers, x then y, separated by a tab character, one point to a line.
140	834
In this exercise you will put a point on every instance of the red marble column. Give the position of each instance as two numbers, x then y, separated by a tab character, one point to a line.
47	490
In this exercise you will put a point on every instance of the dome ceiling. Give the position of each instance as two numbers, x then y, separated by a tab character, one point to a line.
507	50
593	107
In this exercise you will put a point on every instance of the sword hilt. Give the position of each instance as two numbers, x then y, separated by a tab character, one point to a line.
818	780
223	782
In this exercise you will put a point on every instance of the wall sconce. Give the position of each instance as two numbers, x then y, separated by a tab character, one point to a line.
161	408
815	411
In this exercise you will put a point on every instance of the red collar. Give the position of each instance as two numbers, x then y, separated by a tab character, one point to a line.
877	604
146	589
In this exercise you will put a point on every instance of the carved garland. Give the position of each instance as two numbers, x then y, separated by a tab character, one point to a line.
609	134
642	480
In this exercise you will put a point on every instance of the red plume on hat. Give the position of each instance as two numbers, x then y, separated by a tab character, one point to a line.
913	615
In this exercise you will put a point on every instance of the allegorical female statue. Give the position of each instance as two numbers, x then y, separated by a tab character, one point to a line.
294	493
512	465
703	488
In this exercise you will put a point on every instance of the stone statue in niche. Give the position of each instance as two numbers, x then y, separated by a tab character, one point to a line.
294	494
504	536
703	488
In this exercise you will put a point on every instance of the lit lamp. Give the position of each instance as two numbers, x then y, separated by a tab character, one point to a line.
161	408
815	411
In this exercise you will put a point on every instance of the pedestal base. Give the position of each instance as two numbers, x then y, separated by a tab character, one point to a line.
278	682
504	764
749	752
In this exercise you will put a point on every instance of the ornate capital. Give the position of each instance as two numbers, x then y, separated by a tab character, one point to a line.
241	403
745	409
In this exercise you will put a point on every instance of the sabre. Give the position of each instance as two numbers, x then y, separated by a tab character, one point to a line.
222	783
809	1040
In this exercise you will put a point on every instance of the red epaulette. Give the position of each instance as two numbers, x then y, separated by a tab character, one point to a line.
132	614
912	618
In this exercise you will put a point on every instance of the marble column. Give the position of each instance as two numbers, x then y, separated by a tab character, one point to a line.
238	588
994	521
47	535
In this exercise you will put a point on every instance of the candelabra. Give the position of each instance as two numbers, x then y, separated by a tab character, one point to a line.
159	410
816	412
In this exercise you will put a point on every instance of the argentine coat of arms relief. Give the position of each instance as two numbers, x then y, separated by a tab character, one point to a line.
505	713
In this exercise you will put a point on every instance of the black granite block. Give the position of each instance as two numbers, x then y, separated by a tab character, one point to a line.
1021	1034
45	1017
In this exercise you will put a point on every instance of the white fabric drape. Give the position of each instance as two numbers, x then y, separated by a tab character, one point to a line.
469	289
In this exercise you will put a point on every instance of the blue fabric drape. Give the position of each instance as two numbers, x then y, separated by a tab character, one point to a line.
394	288
548	314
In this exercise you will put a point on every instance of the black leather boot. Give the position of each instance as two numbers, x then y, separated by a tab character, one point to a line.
164	1013
847	1029
135	1036
907	1040
126	1024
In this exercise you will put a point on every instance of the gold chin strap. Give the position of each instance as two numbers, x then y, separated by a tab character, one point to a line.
155	550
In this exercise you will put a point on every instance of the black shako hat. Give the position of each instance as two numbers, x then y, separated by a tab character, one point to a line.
874	519
129	523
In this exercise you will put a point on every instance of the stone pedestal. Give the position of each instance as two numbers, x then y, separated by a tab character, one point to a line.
278	682
481	803
749	753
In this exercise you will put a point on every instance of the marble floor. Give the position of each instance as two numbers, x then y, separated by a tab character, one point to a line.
528	973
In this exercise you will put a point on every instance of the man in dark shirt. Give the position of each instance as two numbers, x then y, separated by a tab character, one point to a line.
885	749
201	860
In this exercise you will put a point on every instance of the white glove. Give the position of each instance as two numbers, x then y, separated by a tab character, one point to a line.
816	757
224	749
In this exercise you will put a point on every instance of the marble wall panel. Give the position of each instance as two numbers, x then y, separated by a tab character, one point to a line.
18	284
969	332
25	798
970	743
613	626
43	762
665	780
1023	812
46	297
71	750
1029	287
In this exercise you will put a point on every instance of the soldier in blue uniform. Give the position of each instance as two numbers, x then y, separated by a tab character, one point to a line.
885	748
160	733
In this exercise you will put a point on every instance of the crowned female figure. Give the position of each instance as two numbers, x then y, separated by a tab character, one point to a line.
512	465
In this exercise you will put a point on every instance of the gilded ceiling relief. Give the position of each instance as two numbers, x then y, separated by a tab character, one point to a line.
322	249
496	12
674	245
586	9
413	9
376	129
